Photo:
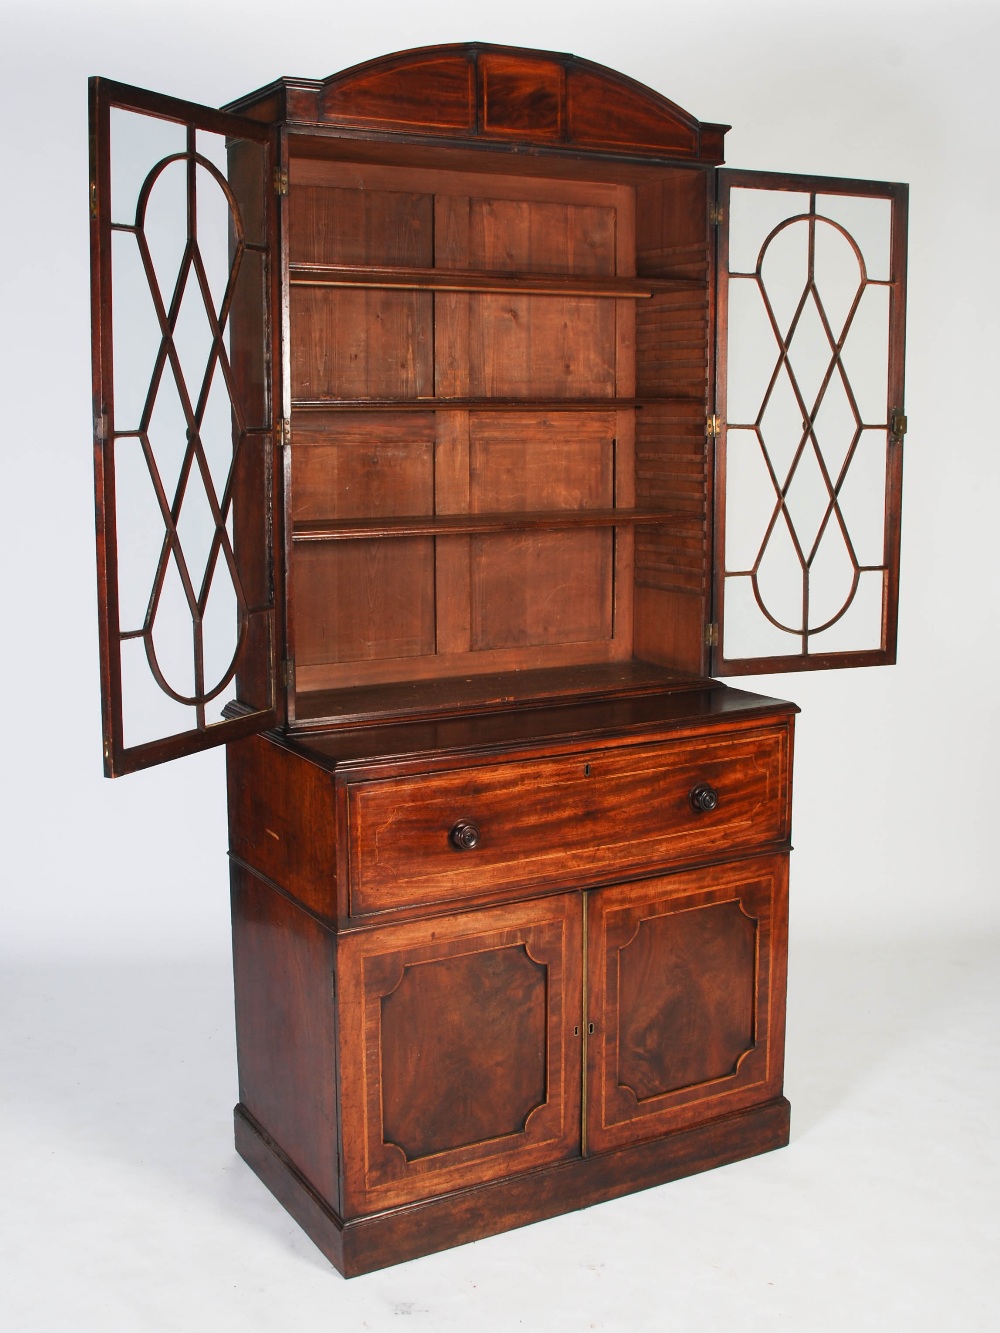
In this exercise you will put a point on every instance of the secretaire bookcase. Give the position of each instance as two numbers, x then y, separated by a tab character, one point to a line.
456	419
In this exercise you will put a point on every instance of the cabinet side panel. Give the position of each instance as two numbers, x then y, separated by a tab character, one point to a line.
282	820
671	579
283	971
671	226
673	358
253	480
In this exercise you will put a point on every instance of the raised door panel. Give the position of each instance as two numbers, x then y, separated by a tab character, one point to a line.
686	988
460	1050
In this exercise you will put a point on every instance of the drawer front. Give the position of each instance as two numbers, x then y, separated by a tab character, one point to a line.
580	818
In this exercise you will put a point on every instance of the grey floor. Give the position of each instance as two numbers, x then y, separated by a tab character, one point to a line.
126	1208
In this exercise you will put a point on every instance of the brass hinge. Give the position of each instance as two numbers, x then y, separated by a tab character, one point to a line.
280	181
93	199
288	673
897	426
712	635
715	214
713	427
283	433
101	427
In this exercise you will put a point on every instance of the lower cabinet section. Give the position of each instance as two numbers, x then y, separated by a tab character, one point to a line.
488	1068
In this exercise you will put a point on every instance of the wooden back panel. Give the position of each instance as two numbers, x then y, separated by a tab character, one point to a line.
522	432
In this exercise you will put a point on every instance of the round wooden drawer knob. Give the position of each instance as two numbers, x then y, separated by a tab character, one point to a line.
465	835
704	798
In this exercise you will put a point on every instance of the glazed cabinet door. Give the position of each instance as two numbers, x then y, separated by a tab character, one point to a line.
685	1003
460	1043
809	416
182	206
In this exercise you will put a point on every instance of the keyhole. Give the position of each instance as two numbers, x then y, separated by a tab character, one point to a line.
586	770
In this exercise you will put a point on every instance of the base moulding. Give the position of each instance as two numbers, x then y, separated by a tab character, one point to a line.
364	1244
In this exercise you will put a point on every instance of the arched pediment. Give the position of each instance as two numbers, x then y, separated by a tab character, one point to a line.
482	93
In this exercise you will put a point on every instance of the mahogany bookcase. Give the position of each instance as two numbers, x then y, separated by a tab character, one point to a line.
456	418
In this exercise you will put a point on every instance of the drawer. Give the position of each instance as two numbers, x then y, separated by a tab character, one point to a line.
583	818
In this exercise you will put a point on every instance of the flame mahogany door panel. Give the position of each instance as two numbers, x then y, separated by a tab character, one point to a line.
460	1044
686	989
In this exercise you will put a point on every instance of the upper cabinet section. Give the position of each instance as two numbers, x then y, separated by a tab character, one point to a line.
483	94
465	380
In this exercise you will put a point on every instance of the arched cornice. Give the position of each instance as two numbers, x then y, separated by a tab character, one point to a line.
479	93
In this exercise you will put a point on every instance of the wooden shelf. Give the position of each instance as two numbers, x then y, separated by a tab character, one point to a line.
484	404
455	525
478	280
494	692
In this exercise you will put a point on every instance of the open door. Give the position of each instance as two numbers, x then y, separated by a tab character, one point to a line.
809	417
182	237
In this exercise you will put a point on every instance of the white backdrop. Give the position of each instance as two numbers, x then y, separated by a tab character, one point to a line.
896	777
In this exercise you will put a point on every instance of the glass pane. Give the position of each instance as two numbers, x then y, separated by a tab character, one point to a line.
753	348
862	498
806	411
784	273
866	356
147	712
860	627
832	575
835	425
778	581
161	217
137	142
783	425
868	220
171	647
747	632
839	275
751	498
135	331
753	215
140	542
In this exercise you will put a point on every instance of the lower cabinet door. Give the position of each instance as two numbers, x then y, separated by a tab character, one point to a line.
460	1049
686	999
